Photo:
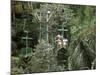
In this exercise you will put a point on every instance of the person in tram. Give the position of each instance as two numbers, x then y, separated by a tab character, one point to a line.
61	42
65	42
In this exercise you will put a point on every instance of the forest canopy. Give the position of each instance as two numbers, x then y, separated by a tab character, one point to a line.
34	28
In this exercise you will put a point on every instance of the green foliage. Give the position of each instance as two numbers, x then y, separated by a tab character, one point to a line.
43	58
81	50
15	62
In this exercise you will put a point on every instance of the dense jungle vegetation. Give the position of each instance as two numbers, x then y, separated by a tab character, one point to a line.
43	55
